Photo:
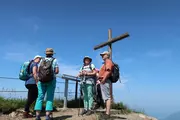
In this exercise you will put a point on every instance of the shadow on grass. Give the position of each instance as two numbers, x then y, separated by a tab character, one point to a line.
116	117
62	117
101	117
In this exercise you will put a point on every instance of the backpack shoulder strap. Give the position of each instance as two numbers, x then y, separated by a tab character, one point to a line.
29	66
90	66
52	61
43	59
83	67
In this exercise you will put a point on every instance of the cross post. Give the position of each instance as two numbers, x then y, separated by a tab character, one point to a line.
110	45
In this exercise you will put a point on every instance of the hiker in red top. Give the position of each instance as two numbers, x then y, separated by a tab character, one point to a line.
106	85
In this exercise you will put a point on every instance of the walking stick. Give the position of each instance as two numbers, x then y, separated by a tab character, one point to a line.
81	82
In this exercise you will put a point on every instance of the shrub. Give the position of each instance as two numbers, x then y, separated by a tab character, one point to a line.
121	106
9	105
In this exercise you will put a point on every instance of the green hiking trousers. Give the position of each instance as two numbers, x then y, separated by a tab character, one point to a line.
48	89
87	90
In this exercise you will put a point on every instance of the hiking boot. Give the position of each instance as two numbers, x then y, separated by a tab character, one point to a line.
95	106
105	117
49	117
38	119
84	112
89	112
27	115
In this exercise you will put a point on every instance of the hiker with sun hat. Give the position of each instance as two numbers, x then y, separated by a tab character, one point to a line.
88	74
31	85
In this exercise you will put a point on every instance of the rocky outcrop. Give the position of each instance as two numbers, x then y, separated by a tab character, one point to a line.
72	114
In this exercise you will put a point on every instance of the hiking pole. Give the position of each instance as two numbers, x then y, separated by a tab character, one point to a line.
79	100
81	82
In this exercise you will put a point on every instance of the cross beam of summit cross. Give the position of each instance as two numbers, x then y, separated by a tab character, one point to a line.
111	41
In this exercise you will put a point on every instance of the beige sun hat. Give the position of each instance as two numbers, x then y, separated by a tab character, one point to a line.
87	57
49	51
105	53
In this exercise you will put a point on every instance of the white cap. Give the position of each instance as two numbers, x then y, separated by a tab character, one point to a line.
37	56
105	53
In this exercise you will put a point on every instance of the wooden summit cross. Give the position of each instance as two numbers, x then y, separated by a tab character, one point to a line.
111	41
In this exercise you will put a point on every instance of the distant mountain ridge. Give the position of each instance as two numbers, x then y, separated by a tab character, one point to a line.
174	116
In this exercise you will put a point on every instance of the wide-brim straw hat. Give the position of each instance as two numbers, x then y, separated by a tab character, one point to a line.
49	51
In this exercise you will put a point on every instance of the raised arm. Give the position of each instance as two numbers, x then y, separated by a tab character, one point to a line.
57	70
35	68
56	66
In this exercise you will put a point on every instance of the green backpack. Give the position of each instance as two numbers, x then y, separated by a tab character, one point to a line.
25	71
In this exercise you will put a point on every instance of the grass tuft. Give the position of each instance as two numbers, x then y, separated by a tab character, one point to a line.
9	105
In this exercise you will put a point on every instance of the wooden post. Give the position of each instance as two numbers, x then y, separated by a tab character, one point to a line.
110	51
110	45
76	90
65	93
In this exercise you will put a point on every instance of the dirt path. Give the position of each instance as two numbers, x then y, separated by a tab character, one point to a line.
72	114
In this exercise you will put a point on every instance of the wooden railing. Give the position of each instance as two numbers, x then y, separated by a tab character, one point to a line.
67	78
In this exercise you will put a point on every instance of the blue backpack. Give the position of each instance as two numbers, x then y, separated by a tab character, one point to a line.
25	71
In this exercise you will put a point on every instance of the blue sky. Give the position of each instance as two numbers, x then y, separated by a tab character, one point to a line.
149	58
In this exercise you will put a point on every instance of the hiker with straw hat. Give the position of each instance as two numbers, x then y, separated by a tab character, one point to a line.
88	74
47	83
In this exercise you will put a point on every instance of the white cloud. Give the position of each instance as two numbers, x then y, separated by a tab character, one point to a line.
122	60
114	58
23	51
123	85
125	60
159	53
14	56
68	69
19	51
120	88
36	28
30	19
99	59
30	23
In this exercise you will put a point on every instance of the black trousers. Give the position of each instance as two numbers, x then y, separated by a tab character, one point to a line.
99	98
32	95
